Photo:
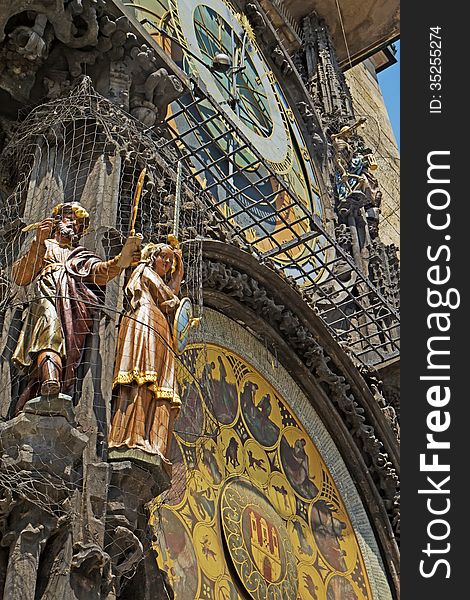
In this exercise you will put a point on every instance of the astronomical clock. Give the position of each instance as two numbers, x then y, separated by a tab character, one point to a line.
246	147
261	506
255	511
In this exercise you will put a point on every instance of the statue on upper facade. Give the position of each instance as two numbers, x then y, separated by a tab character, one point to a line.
356	185
67	288
146	401
348	162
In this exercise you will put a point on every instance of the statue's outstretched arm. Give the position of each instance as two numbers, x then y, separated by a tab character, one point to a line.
28	266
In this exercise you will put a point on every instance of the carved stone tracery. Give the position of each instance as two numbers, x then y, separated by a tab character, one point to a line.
323	75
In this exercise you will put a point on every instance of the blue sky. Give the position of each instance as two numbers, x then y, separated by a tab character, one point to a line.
389	81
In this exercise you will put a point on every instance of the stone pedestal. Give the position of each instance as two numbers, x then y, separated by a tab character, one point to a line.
154	463
43	442
52	406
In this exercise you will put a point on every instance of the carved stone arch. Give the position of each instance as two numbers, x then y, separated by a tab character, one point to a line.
261	300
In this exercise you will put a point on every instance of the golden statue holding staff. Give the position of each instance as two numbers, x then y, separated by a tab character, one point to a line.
60	316
146	401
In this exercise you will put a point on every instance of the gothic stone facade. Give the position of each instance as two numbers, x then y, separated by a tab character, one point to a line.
87	90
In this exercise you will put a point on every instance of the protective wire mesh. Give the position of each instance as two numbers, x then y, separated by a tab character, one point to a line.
82	149
355	311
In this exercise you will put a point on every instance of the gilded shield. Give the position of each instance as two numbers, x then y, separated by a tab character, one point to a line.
182	325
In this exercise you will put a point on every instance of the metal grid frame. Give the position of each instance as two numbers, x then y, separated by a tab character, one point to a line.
355	312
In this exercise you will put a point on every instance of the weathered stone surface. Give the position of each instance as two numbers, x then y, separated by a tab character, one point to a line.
46	46
152	462
134	483
41	443
26	542
52	406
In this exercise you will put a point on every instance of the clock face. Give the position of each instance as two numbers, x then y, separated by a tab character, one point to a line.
245	145
254	512
247	97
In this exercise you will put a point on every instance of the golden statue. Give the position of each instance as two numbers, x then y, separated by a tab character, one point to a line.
145	401
343	150
60	316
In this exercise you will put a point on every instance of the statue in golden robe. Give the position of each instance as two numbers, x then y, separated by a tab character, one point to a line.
67	279
145	401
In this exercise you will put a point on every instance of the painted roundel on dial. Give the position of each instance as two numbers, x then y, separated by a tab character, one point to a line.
258	544
245	144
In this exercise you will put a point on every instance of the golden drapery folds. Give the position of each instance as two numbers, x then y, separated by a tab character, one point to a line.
146	401
60	315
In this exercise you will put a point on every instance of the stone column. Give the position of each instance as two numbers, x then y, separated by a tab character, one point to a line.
27	541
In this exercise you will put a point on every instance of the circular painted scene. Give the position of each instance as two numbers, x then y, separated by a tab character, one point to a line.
258	515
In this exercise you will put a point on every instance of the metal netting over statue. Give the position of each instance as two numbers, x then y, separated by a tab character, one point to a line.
83	149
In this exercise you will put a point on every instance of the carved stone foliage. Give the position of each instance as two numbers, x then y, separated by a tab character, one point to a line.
248	291
384	269
387	407
45	46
